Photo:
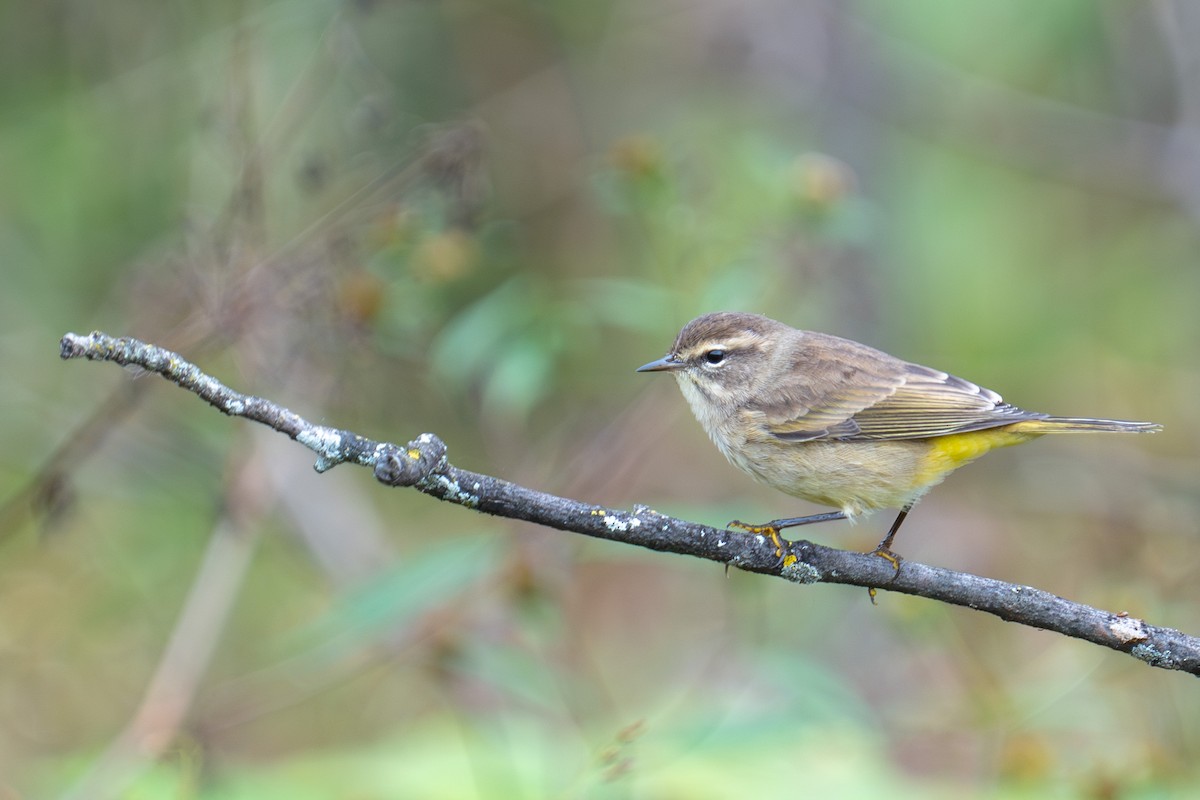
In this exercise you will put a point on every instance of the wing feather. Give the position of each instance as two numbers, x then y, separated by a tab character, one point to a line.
838	389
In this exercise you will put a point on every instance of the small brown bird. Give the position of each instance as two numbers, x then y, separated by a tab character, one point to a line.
839	423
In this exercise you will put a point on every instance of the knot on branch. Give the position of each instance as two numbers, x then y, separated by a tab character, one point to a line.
411	464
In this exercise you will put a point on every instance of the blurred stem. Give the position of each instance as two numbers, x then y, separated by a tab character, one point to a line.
48	491
172	690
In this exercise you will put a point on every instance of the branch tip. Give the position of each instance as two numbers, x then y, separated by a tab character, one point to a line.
71	346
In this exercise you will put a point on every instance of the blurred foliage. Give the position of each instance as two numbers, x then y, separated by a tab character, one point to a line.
477	218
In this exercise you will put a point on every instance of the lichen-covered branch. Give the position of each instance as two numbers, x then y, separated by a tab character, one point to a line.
422	464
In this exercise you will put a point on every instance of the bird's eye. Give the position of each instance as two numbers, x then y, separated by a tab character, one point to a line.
714	356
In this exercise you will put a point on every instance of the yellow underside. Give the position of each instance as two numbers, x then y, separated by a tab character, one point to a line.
948	453
864	475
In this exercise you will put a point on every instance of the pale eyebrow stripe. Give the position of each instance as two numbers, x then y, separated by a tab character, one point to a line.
722	344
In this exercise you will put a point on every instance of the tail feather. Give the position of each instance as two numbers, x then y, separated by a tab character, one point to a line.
1084	425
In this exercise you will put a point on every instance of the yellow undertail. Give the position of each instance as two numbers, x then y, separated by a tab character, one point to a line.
948	453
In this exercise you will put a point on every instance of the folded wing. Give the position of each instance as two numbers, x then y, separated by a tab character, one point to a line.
877	398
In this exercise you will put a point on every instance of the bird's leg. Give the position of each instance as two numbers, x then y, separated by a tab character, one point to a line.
884	548
771	529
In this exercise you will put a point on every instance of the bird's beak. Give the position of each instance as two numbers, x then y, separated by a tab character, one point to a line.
668	363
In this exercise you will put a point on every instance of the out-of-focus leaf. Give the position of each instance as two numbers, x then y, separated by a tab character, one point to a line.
398	596
739	289
637	305
521	372
466	346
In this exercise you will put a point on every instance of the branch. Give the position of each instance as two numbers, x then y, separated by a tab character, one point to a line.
422	465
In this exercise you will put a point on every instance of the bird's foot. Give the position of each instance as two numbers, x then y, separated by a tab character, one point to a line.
887	555
769	530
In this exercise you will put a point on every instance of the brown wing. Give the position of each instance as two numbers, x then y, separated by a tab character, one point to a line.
838	389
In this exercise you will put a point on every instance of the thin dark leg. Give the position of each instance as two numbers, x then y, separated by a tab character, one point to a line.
884	548
792	522
772	528
886	544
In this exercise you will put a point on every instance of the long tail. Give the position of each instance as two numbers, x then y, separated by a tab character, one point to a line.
1084	425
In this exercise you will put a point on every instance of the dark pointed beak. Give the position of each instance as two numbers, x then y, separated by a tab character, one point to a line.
668	363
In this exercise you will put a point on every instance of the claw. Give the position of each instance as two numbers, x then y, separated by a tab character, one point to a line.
887	555
769	531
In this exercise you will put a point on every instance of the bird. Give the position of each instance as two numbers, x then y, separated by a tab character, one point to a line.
839	423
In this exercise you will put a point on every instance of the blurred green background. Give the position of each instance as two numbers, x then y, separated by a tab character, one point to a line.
477	218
